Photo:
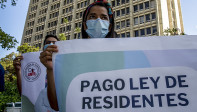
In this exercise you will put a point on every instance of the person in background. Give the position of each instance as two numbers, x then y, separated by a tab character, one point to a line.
2	72
98	22
49	40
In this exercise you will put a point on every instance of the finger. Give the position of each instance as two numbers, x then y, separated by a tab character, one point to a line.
48	57
52	48
19	58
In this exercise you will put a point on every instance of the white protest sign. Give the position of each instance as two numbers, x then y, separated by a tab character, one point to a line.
134	74
33	74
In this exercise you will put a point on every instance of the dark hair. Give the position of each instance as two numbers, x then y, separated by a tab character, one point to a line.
111	34
48	36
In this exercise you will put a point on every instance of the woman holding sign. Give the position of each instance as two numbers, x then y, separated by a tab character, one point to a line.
98	22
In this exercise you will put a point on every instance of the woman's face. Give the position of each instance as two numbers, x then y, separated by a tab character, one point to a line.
97	12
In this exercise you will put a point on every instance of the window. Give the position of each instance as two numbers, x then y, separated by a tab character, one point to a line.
78	5
154	29
141	6
147	5
136	33
128	34
127	10
152	3
123	35
118	2
128	22
81	4
148	31
127	1
85	3
136	21
141	19
118	25
135	8
123	12
153	16
148	18
118	13
142	32
113	3
123	1
122	24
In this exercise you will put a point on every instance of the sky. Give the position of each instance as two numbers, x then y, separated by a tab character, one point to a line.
13	18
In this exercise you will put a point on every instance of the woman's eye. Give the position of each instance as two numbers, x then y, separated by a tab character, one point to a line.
91	17
104	18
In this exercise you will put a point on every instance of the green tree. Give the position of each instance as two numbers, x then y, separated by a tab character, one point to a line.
62	36
25	48
172	32
11	93
66	23
7	41
2	3
77	30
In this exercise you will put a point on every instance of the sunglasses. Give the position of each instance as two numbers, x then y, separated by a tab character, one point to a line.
48	42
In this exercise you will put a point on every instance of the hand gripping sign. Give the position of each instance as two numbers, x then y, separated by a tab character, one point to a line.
134	74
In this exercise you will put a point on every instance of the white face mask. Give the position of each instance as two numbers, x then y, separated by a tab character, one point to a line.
97	28
45	46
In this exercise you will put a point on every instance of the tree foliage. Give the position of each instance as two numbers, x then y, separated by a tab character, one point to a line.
172	32
2	3
25	48
11	93
62	36
7	41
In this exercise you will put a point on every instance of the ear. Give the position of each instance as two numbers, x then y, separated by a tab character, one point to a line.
110	27
85	26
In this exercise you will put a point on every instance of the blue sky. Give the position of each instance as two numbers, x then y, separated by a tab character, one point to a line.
12	20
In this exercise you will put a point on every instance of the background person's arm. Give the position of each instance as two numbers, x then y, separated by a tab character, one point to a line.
17	66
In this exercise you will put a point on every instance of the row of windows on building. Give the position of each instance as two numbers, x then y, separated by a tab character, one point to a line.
30	24
30	31
122	12
146	31
67	1
42	19
51	32
144	6
144	18
35	1
53	15
67	10
78	25
32	15
55	6
69	18
119	2
51	24
123	35
79	15
43	11
27	40
38	37
65	29
44	3
33	8
123	24
83	4
39	28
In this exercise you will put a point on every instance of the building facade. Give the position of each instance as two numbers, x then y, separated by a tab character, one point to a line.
133	18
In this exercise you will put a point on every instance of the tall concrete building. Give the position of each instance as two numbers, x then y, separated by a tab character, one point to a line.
133	18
